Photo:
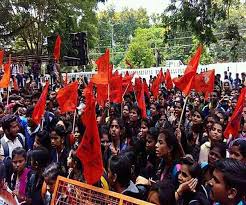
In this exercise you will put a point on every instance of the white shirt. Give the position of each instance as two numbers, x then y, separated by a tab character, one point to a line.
204	151
11	144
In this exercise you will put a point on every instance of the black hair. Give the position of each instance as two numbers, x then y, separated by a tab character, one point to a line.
241	144
40	156
195	169
7	120
52	171
171	142
234	174
219	123
136	108
29	111
121	166
2	171
166	191
200	113
145	122
153	133
122	127
221	148
44	139
19	151
60	131
77	161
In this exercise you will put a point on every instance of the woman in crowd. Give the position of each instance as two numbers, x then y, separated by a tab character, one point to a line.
167	151
215	135
21	174
237	149
190	191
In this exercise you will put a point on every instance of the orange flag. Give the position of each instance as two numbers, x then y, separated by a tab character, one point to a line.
4	82
57	48
168	80
204	82
233	125
184	83
1	57
89	150
67	97
104	70
15	84
39	108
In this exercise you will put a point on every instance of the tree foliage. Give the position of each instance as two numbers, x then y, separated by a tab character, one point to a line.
27	23
142	49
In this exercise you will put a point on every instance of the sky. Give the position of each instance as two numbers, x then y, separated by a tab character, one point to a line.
152	6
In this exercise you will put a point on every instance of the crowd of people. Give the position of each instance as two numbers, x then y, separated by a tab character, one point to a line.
154	159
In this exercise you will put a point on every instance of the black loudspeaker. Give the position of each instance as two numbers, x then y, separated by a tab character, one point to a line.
74	48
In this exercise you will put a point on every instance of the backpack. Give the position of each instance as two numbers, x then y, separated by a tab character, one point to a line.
6	147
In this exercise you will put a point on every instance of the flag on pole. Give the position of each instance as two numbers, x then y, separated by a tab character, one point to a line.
89	150
104	70
233	125
57	48
39	108
168	80
67	97
204	82
4	82
184	83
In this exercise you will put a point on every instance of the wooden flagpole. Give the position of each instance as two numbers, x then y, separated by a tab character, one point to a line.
7	95
182	113
74	119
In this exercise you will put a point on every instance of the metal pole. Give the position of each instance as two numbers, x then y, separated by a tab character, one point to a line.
112	42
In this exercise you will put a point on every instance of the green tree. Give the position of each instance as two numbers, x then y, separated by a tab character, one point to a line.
143	48
29	22
117	28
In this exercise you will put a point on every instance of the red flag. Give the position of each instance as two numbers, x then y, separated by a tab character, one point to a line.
204	82
89	150
57	48
1	57
116	89
184	83
4	82
161	76
168	80
39	108
127	83
155	86
141	100
67	97
233	125
146	89
102	94
138	86
116	73
104	70
15	84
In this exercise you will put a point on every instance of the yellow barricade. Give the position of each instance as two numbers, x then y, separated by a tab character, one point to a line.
71	192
